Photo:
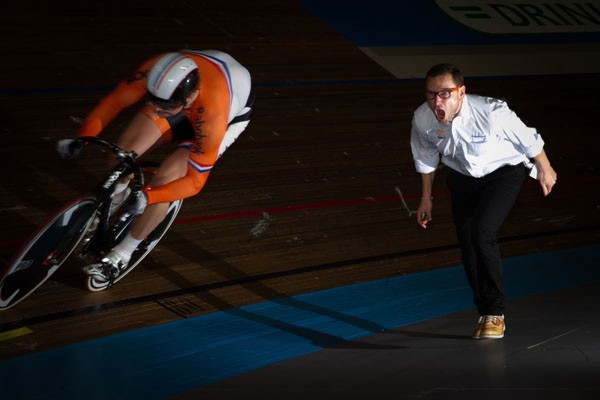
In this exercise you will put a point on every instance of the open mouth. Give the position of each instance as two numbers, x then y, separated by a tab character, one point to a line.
440	114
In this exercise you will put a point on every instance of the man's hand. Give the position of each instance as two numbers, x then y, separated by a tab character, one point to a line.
547	178
69	149
137	203
424	211
546	175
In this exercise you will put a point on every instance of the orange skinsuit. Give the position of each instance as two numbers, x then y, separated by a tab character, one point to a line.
209	117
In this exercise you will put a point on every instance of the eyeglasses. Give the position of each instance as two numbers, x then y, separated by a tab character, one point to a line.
443	94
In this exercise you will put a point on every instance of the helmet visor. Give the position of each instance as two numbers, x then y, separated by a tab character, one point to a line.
165	104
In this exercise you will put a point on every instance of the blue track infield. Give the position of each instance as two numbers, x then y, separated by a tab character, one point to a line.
165	360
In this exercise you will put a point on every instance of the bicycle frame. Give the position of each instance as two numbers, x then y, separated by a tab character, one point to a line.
63	234
107	234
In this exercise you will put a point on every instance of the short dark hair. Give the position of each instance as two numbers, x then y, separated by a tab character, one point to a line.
445	68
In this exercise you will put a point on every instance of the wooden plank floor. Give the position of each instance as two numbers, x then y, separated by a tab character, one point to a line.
308	198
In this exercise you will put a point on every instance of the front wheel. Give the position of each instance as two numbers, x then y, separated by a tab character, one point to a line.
144	248
46	251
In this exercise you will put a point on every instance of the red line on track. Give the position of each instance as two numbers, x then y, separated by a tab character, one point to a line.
277	210
312	206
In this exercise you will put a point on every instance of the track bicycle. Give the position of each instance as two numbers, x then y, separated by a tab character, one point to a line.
83	230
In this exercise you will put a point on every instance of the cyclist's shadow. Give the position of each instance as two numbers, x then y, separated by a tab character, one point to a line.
204	259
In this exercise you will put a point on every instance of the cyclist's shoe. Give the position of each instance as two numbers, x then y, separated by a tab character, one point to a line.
493	327
94	225
118	200
115	205
107	270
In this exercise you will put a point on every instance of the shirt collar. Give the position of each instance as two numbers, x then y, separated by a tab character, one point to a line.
465	110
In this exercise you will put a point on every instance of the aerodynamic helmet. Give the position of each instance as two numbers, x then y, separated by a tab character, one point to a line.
172	79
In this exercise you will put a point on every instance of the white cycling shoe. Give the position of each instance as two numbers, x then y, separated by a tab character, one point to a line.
107	270
118	200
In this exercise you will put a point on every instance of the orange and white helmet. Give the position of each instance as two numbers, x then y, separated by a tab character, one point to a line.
172	79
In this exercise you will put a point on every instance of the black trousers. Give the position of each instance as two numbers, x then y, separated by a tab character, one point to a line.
479	207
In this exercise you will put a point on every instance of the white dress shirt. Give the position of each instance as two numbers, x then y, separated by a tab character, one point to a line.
484	136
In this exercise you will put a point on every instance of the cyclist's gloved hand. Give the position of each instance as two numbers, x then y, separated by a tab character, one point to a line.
138	203
69	149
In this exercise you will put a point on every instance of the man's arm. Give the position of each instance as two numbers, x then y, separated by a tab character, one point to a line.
426	203
546	174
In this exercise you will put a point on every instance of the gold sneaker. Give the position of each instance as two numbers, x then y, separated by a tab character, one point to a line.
493	327
478	328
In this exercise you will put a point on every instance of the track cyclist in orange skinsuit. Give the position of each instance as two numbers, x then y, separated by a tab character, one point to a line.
201	99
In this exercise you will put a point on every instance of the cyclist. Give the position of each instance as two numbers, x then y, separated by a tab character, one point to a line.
201	99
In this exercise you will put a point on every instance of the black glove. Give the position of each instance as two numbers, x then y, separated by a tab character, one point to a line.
69	149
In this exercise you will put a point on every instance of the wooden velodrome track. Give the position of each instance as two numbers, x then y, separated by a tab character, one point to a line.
308	198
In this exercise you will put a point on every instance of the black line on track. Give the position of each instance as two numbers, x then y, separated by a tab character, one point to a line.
321	267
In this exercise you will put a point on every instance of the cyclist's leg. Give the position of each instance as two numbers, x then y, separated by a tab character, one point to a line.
143	133
146	229
174	167
99	281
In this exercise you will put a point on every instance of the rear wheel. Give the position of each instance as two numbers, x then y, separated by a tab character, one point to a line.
46	251
144	248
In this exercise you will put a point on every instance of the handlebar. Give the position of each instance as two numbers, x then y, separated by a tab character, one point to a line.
119	152
126	165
